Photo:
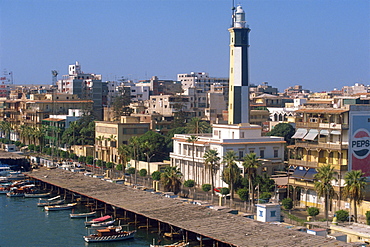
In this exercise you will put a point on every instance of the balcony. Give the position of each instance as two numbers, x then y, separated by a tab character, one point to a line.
333	126
304	163
329	146
316	164
301	183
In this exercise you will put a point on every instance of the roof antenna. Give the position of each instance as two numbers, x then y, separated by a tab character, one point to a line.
232	13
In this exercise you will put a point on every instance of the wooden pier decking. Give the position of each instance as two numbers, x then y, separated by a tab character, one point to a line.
223	227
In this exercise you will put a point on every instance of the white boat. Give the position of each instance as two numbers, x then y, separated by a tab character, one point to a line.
36	195
97	220
60	207
102	224
14	194
109	234
83	215
177	244
50	202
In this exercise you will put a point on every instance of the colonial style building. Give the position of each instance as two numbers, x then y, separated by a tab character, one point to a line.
241	138
110	135
326	135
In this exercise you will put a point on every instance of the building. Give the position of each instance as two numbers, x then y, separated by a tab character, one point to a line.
268	212
85	85
110	135
238	109
328	135
240	138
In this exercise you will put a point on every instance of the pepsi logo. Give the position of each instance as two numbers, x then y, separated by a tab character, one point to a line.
360	144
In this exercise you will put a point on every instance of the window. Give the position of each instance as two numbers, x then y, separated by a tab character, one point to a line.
273	213
276	153
262	153
241	154
241	134
260	213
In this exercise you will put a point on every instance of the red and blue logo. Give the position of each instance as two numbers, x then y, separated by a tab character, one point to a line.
360	144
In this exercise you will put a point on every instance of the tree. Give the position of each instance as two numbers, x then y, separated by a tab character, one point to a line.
354	188
211	160
265	196
243	194
367	214
121	105
148	150
123	154
189	184
206	187
156	175
171	179
251	163
134	145
143	172
193	139
313	211
287	203
197	126
342	215
283	130
323	184
156	144
231	172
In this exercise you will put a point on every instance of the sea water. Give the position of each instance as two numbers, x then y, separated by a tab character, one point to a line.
23	224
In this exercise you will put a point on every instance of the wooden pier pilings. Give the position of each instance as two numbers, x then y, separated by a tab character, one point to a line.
167	214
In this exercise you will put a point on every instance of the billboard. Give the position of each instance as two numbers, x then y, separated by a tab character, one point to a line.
359	143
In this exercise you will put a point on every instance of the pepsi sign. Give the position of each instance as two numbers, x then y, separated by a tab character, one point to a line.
360	144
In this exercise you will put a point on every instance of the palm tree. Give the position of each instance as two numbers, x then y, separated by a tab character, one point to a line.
192	139
354	188
149	153
251	163
123	152
6	128
171	179
211	162
100	140
323	184
196	126
110	139
231	171
135	144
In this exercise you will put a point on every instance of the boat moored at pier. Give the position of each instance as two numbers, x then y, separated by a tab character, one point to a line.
113	233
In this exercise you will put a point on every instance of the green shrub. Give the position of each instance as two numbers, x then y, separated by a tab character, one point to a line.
143	172
119	167
206	187
265	196
89	160
225	191
287	203
313	211
189	183
156	175
131	170
342	215
243	194
367	217
110	165
81	159
31	147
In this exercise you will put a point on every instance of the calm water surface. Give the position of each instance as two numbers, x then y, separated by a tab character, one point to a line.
22	223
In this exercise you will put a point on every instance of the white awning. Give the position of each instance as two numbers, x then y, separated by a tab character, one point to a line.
300	133
324	132
311	135
335	132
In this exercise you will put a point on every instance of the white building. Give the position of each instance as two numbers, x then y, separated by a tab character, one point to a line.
241	138
200	80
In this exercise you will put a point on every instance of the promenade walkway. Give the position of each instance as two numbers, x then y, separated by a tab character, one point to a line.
223	227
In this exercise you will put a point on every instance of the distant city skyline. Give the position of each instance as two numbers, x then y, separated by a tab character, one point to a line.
320	45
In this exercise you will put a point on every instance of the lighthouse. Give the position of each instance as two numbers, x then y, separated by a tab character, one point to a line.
238	108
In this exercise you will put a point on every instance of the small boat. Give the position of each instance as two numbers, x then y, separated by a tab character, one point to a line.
82	215
60	207
14	194
50	202
35	195
97	220
177	244
102	224
109	234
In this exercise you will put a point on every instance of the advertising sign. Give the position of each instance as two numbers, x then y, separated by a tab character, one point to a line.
359	144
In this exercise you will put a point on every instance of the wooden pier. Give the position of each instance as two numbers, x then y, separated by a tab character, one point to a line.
156	210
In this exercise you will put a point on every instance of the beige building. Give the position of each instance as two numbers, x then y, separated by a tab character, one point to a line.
110	135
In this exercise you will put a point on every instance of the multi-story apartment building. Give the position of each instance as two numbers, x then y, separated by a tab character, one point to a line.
110	135
85	86
167	105
162	87
241	138
31	109
324	135
200	80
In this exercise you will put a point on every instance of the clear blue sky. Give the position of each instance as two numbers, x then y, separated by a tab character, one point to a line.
319	44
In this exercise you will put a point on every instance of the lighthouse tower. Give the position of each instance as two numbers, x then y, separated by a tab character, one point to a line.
238	109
